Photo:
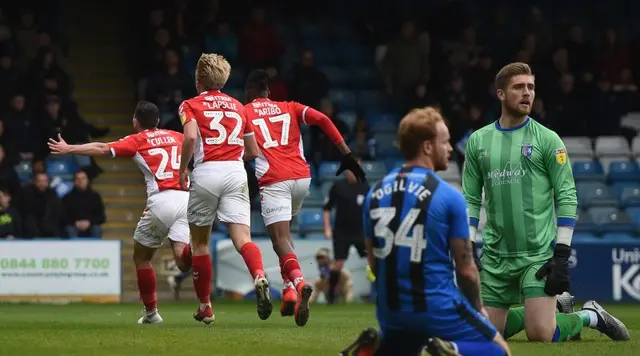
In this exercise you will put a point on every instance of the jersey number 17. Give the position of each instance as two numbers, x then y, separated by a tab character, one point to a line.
417	242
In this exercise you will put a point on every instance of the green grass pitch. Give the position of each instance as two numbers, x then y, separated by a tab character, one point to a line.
100	330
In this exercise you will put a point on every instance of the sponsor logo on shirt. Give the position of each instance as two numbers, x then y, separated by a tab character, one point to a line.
511	173
561	155
527	149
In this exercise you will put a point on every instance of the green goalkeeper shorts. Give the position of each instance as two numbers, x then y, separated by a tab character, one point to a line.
507	281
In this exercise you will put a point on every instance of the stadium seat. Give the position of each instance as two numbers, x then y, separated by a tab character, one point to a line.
612	220
371	99
634	215
594	194
336	75
374	170
452	174
310	221
314	199
257	225
588	171
383	124
612	146
618	187
344	99
355	53
606	161
364	77
630	197
631	120
61	167
327	171
349	118
584	223
635	146
623	171
578	148
24	170
386	145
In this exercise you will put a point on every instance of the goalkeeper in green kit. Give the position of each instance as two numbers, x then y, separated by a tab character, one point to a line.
522	166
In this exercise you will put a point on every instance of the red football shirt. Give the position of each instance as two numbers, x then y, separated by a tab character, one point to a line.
157	153
277	130
222	125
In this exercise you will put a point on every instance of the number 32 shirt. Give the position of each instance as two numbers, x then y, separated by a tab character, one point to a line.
222	126
157	154
277	130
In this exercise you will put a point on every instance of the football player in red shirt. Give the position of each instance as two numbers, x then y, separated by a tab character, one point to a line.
284	177
216	134
157	154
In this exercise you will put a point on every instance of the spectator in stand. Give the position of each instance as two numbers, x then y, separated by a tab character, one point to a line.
580	53
9	77
46	76
223	41
43	39
604	109
20	127
170	86
259	43
612	55
539	112
455	101
567	108
277	86
480	75
84	209
157	49
323	148
26	34
308	85
406	62
8	177
7	43
626	91
538	26
420	97
466	50
43	209
364	144
10	220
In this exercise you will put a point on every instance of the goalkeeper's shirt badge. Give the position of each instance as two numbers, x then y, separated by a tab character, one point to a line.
561	155
527	149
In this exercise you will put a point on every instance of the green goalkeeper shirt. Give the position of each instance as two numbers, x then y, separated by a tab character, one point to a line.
520	169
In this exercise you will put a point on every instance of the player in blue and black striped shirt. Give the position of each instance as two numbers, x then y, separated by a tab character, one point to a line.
417	237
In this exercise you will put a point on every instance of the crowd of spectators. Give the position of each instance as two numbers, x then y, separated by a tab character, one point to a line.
36	103
585	75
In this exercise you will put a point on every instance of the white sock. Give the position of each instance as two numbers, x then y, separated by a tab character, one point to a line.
204	305
593	318
297	281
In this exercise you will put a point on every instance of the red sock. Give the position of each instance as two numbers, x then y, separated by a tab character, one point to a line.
202	277
186	257
252	258
290	267
147	287
285	278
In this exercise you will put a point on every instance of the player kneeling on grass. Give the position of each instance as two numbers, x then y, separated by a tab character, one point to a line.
522	167
416	226
218	137
284	177
157	154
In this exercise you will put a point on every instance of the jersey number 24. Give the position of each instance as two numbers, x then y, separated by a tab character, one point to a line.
168	156
417	242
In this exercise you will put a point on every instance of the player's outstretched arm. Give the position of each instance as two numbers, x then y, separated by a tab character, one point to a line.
472	182
60	147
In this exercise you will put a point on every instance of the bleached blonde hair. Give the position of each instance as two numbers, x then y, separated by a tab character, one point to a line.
212	71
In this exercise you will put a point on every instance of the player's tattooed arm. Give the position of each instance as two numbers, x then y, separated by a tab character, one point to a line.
467	274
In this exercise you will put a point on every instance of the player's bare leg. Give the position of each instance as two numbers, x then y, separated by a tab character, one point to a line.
497	317
241	238
146	278
540	318
202	271
182	255
280	238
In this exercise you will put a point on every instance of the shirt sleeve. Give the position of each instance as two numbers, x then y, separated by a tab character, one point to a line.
457	216
125	147
366	217
472	181
248	129
561	178
300	112
186	113
330	200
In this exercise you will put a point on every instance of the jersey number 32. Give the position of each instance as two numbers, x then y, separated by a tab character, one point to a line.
417	242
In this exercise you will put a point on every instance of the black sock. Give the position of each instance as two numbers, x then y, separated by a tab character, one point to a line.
334	276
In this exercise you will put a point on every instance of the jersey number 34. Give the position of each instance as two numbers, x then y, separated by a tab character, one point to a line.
417	242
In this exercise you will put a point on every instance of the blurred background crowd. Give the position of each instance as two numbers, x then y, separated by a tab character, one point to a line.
363	63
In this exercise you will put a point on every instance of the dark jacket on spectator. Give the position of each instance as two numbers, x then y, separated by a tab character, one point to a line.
10	223
43	213
83	205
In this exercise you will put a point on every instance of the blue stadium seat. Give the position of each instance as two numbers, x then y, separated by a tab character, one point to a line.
594	194
630	197
618	187
371	99
386	145
356	54
327	171
626	171
585	237
585	223
310	221
345	99
323	53
61	167
336	75
384	124
374	170
24	170
620	237
349	118
257	225
364	77
314	199
612	220
634	215
588	170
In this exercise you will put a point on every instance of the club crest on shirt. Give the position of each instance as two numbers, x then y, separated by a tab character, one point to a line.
527	149
561	155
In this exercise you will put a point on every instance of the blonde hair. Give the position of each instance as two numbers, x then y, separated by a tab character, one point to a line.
418	126
509	71
212	71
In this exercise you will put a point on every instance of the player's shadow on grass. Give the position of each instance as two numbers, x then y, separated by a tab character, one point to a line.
525	341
